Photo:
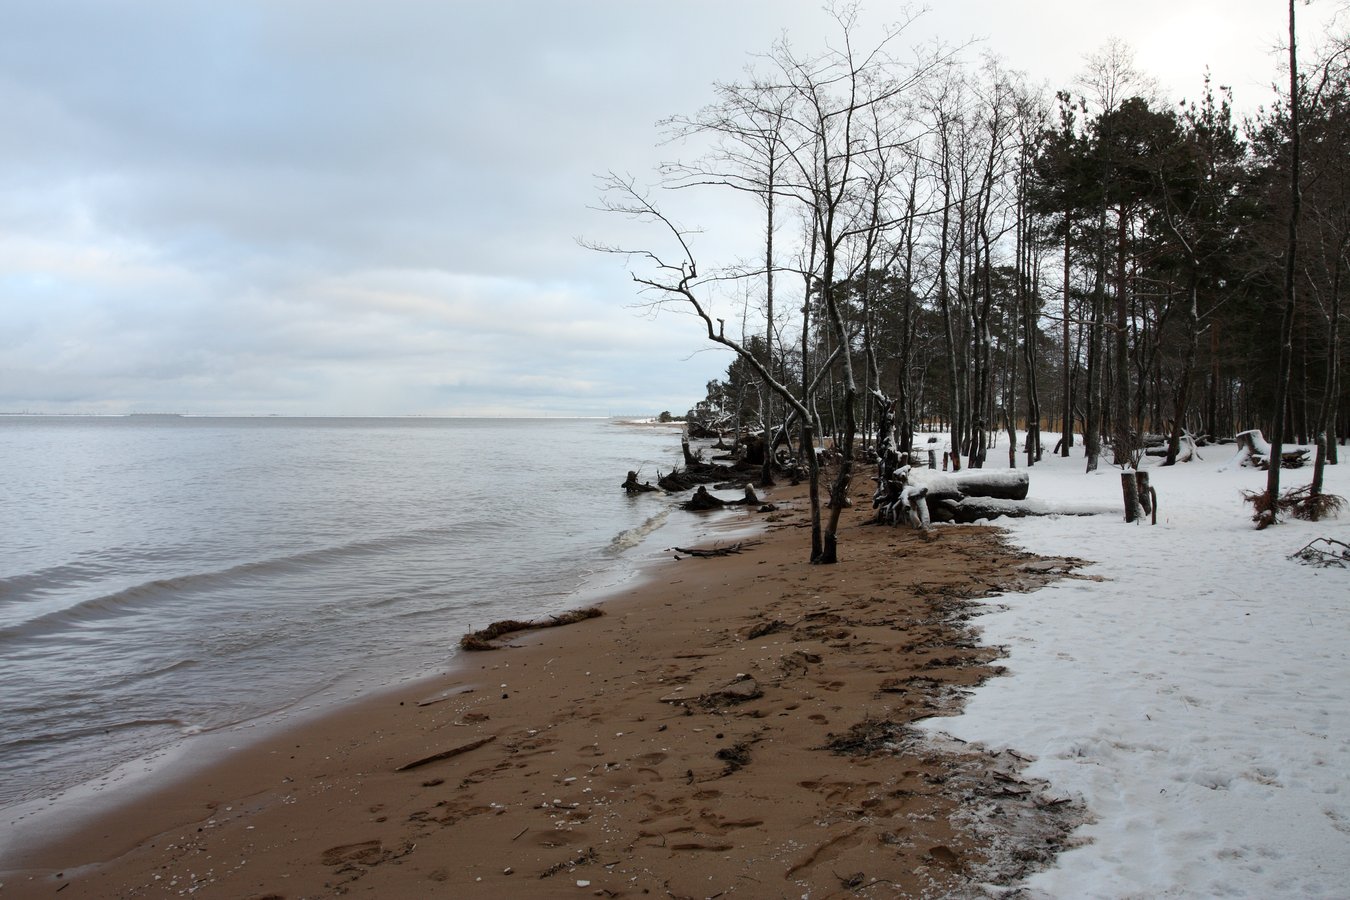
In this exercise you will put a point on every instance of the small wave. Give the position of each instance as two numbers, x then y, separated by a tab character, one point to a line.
133	677
147	594
74	734
626	540
49	578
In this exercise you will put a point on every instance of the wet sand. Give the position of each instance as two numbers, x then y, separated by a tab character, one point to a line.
732	726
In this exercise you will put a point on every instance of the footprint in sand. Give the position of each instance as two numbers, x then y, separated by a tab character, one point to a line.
697	846
364	853
719	825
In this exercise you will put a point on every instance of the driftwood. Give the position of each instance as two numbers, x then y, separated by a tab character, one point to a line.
702	500
447	754
739	690
632	486
708	553
483	638
679	480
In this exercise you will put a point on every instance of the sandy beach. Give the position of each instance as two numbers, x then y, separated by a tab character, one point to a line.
738	725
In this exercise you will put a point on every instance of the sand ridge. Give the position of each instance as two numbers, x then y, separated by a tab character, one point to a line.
735	726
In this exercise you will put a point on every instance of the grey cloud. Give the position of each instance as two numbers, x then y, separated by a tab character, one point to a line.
339	206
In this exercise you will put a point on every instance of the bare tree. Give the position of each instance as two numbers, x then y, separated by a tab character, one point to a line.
675	278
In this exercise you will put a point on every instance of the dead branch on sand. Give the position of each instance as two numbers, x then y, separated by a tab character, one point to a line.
483	638
728	550
446	754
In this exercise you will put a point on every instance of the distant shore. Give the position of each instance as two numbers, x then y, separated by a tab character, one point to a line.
736	725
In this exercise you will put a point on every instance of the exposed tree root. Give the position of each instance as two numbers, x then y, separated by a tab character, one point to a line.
1298	502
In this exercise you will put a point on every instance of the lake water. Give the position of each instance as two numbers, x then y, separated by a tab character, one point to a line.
165	576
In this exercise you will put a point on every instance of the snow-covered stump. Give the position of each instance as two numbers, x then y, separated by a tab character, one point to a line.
1254	450
914	505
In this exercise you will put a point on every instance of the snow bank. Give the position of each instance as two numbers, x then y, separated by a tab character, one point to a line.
1197	698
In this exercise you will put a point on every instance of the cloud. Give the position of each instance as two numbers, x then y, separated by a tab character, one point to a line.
335	206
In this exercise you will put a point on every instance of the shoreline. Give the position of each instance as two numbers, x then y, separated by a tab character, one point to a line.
137	780
627	752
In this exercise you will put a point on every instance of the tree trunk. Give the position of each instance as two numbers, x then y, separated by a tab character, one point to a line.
1129	487
1145	493
1188	365
1092	417
1067	437
1122	441
1290	270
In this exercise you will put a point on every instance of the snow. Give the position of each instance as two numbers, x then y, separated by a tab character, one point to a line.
1197	698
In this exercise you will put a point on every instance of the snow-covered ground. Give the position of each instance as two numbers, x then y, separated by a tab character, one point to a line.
1197	699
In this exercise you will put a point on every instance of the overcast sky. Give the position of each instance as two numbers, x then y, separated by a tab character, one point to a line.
330	207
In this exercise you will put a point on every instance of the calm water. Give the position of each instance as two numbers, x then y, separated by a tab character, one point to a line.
166	576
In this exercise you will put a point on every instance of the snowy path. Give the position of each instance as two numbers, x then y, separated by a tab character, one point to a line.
1198	699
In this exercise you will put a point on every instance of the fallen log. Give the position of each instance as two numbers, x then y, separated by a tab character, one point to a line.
1011	484
973	509
709	553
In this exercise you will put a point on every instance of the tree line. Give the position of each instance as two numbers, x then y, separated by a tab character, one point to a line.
943	245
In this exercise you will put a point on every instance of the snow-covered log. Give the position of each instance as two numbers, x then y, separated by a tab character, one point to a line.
1004	485
1187	449
973	509
908	494
914	506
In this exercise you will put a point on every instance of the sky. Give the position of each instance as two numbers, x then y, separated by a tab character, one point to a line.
331	207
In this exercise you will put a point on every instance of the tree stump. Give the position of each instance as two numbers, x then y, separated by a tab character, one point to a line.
704	500
1129	487
1146	495
632	486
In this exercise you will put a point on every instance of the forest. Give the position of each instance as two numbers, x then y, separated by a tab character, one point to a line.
944	245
